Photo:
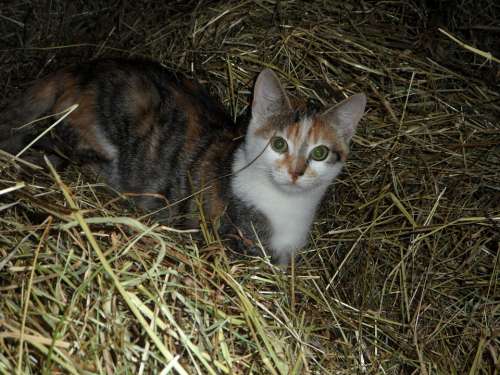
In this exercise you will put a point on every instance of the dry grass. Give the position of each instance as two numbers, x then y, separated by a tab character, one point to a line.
402	272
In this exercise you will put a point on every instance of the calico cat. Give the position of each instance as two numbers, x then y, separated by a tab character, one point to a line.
149	131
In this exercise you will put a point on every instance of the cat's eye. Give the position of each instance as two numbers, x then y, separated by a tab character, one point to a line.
279	144
320	153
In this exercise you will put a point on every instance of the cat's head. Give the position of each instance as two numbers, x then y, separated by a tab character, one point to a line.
298	150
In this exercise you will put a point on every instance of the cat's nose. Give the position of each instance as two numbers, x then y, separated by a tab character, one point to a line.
297	169
295	174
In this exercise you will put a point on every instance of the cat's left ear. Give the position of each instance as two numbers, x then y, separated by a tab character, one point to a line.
345	116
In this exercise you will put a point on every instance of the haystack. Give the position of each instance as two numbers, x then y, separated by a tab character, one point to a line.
401	275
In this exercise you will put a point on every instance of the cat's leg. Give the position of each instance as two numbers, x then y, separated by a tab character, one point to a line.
43	147
35	155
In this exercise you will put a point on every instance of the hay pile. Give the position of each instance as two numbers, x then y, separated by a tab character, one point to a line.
402	272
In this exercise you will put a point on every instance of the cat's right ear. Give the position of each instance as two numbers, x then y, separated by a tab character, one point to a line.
345	116
269	97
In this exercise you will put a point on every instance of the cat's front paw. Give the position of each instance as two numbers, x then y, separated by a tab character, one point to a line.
242	245
282	260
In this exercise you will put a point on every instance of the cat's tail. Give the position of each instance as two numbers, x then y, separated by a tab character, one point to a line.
18	118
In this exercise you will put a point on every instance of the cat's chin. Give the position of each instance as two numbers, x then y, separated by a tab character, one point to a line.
294	188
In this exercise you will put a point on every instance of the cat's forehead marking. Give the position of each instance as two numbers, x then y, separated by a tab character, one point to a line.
319	130
293	132
288	120
272	125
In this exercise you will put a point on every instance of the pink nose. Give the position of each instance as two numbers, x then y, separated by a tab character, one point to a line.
296	174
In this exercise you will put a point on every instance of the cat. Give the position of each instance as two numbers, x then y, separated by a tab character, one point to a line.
155	133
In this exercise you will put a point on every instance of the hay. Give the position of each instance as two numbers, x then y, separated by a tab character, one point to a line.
402	272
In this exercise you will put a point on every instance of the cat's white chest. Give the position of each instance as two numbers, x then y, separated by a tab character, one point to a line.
289	215
290	218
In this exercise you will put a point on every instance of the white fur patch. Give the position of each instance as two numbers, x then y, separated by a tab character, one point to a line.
290	214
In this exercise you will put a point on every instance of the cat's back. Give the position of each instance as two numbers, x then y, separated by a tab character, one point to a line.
122	104
122	89
139	91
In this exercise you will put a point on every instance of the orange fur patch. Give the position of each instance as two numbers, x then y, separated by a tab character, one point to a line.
44	91
217	205
191	111
286	162
193	131
214	205
321	130
83	119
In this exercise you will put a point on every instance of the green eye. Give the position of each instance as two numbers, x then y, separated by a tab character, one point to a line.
279	144
319	153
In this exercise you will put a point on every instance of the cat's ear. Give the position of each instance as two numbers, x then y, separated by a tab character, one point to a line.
269	97
345	116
